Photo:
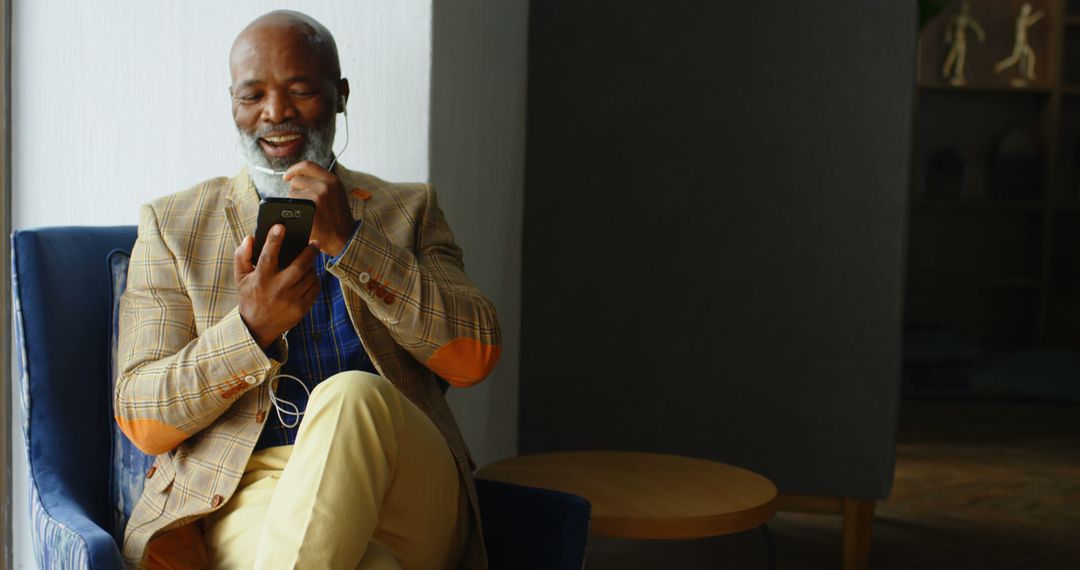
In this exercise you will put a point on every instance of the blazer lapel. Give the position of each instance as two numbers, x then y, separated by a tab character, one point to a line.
242	207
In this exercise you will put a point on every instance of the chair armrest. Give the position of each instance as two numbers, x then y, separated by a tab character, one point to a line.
526	528
66	538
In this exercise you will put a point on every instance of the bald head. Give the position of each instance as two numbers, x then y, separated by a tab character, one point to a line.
286	90
286	27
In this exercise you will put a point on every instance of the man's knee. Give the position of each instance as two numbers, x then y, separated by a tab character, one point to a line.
354	386
378	557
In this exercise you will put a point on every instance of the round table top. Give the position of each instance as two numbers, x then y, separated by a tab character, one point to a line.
648	495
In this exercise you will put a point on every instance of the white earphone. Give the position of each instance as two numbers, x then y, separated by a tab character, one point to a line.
284	407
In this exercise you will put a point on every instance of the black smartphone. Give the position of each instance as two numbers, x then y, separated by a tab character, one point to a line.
296	214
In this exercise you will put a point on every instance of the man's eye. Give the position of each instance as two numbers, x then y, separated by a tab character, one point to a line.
303	93
249	98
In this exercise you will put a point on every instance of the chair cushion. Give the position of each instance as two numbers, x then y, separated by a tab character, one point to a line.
528	528
129	465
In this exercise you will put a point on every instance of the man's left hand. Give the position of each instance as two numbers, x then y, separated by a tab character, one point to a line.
334	223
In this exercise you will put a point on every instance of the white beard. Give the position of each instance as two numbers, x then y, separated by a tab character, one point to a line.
318	149
269	185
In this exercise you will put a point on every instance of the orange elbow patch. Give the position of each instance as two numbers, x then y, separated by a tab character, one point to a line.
151	436
464	361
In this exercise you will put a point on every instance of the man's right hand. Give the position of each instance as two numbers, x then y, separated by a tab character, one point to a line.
273	301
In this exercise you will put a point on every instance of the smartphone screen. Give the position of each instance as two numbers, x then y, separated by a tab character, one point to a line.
296	214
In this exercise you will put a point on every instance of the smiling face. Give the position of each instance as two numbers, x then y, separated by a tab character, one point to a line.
285	89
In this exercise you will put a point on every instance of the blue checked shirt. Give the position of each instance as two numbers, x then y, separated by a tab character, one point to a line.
321	345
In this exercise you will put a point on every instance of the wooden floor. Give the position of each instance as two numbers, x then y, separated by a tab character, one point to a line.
987	485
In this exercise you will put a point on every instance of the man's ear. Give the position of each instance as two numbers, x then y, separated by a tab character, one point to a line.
343	94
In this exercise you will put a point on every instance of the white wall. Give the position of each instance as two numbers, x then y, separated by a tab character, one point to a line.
118	102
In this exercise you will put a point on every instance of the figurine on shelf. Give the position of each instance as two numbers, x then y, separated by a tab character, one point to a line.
956	34
1023	57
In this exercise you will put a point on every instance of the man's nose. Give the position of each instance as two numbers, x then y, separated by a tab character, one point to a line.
278	108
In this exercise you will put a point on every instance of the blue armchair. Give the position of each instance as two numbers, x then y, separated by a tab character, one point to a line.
63	289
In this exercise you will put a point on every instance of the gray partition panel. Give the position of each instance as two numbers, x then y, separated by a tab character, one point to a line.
714	229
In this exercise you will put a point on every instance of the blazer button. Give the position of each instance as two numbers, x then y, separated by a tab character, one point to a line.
151	471
216	501
260	417
250	379
363	277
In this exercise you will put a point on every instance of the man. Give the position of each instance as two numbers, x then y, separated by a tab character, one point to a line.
370	471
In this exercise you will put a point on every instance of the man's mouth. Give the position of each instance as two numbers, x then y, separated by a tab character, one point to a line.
282	145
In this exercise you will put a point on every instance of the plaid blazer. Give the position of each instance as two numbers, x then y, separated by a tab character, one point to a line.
192	386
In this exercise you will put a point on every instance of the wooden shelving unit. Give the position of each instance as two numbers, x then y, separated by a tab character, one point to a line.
1003	271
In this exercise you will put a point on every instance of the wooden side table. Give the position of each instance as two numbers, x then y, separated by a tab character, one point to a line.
648	495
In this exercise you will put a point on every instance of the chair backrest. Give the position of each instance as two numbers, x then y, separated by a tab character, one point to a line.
62	292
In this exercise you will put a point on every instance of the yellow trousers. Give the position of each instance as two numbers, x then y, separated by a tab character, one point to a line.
370	484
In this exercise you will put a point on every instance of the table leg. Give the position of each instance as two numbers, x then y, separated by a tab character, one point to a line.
770	548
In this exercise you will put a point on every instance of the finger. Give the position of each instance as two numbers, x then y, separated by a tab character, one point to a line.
306	289
268	259
311	291
242	259
303	264
309	169
307	283
306	187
